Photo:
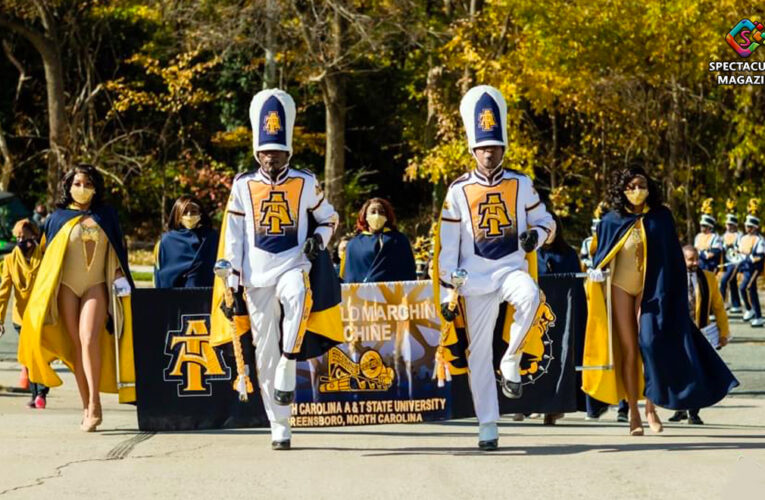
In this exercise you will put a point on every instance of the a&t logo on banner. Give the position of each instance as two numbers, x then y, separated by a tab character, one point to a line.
193	361
749	35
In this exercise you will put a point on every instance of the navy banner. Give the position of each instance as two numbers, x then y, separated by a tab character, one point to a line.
383	373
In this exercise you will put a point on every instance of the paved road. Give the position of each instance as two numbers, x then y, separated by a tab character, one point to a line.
44	455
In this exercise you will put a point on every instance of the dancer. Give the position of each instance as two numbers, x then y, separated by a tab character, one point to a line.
83	267
657	351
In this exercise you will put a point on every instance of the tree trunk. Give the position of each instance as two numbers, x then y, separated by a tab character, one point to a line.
48	48
673	136
6	172
57	133
554	150
429	137
269	76
467	76
333	93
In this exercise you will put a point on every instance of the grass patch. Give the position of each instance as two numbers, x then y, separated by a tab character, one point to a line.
142	276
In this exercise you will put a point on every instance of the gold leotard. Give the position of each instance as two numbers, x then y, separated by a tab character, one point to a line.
628	263
85	258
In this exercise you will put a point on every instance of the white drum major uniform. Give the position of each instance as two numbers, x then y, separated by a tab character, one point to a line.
491	218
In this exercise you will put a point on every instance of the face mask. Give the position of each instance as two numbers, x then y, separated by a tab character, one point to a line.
376	221
636	196
26	245
81	194
190	221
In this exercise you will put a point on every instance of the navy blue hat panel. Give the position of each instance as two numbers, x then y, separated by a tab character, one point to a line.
272	123
487	120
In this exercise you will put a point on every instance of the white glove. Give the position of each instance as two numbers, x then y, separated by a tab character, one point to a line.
596	275
233	281
122	287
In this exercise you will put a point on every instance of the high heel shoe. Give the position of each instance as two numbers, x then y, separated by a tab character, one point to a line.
89	424
91	420
636	428
98	415
653	422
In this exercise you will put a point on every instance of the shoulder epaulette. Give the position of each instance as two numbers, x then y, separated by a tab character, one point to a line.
242	174
459	179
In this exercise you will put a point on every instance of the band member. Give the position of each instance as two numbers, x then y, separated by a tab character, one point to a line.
708	242
84	265
19	271
728	283
704	300
491	219
656	350
277	224
751	248
379	252
185	255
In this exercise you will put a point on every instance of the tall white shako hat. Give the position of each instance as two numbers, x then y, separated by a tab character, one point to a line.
484	114
707	217
731	217
751	217
272	115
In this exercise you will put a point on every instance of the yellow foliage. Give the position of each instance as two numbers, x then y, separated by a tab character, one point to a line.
178	90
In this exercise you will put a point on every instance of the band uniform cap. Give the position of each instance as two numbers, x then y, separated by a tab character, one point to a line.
484	115
707	220
272	116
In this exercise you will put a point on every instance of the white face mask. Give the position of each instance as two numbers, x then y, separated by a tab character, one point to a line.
376	221
82	194
190	221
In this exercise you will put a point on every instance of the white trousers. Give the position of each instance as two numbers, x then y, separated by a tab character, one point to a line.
263	305
520	290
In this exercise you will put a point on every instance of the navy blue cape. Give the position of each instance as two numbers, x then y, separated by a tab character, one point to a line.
367	262
186	258
106	217
681	368
553	262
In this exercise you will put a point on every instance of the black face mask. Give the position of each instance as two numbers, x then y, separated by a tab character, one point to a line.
26	245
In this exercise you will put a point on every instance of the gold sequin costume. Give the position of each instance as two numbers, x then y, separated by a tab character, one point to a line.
85	258
628	263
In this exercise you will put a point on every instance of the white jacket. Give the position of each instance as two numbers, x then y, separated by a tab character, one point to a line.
268	224
481	222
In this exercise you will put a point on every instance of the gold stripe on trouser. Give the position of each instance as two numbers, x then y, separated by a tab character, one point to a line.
534	320
753	279
307	304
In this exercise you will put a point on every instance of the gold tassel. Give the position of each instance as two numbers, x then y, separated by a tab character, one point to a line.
242	384
441	368
730	205
753	206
